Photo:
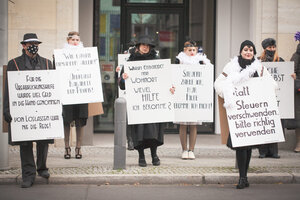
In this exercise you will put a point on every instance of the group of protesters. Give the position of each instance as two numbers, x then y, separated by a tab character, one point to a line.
150	135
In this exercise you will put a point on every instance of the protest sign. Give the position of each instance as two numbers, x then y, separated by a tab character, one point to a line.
35	105
193	98
79	72
122	58
254	118
148	95
281	72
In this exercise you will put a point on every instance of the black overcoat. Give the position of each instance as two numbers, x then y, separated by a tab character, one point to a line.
23	64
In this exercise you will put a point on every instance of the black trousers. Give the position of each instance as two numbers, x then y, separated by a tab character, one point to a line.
243	156
27	159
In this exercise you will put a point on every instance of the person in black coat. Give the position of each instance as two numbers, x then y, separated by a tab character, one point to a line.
296	75
270	55
144	135
29	60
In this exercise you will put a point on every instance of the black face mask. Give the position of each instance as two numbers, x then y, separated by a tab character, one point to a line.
270	54
33	49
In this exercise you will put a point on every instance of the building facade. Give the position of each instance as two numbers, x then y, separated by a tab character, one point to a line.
219	26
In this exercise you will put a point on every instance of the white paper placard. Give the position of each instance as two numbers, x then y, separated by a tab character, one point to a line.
80	76
255	118
193	97
148	95
35	105
281	72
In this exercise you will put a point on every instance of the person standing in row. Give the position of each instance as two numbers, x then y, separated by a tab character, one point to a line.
296	75
270	55
29	60
144	135
190	56
77	112
238	70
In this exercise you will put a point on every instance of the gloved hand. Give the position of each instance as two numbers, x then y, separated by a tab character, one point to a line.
7	117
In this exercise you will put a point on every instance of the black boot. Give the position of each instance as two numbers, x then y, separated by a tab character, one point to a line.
142	160
155	159
242	183
246	182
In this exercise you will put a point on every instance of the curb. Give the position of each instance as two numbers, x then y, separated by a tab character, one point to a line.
159	179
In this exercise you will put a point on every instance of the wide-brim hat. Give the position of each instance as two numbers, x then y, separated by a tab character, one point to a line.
145	39
30	37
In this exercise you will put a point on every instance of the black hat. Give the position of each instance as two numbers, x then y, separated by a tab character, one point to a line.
30	37
268	42
145	39
249	44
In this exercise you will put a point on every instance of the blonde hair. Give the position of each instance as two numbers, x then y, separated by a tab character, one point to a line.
70	34
263	56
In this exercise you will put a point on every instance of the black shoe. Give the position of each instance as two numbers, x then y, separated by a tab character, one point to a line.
142	162
276	156
44	174
262	155
155	161
241	184
26	184
246	182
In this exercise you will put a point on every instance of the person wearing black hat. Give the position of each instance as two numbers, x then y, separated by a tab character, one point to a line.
269	55
29	60
144	135
238	70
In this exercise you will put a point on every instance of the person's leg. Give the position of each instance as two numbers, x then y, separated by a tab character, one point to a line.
297	148
142	160
79	133
241	158
263	150
249	153
41	158
273	149
183	141
155	159
67	142
27	165
192	141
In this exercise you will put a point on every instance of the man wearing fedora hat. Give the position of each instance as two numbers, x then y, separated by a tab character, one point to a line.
29	60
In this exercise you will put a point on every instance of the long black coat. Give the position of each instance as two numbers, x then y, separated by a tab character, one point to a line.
23	64
144	135
296	59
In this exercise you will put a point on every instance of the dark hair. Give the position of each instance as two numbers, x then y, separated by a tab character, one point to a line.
248	43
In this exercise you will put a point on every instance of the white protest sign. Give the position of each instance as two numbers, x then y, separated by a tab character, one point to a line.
193	97
122	58
35	105
254	118
80	76
281	72
148	95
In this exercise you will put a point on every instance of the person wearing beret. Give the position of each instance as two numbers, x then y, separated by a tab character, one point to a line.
269	55
238	70
29	60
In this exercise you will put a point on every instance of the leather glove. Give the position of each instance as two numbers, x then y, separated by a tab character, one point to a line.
7	117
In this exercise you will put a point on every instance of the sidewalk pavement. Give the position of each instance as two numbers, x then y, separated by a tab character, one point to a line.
214	164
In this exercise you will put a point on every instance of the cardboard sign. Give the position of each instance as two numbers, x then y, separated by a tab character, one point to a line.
35	105
281	72
79	74
193	97
148	95
254	118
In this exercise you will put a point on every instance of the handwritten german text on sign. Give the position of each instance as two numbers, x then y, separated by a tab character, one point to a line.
148	95
193	99
80	77
35	105
254	119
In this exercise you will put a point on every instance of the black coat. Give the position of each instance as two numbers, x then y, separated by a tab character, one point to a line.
296	59
23	64
144	135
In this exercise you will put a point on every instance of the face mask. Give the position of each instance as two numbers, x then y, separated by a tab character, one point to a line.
33	49
270	53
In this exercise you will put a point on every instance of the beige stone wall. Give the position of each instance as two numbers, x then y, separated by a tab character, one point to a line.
50	19
280	20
